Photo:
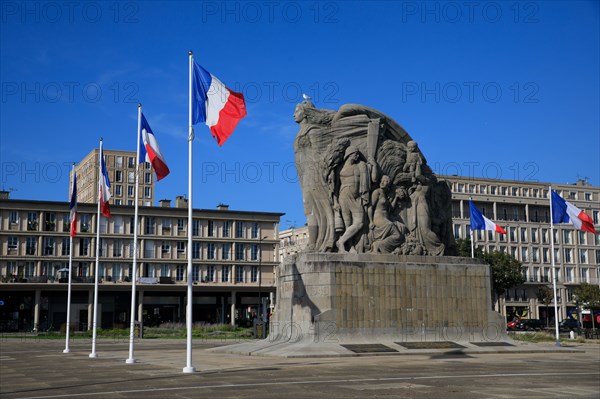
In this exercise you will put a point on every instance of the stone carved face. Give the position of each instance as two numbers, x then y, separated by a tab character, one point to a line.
385	182
299	114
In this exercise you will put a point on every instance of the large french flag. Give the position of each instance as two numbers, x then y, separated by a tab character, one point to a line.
565	212
213	103
73	206
480	222
150	151
104	187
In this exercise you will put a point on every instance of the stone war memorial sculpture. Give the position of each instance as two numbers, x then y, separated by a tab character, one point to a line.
380	265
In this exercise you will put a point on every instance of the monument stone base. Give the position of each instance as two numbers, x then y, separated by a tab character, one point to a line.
369	298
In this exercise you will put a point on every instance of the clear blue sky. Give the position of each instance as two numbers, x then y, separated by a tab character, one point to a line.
496	89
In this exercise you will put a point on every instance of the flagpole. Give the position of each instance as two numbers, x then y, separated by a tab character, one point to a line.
472	235
189	368
131	359
553	272
67	350
95	316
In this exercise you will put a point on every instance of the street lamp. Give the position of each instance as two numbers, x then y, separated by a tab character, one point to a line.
259	308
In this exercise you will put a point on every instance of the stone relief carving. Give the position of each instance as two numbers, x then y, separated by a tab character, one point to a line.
366	185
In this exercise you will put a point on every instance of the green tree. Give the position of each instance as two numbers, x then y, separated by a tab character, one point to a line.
507	272
588	296
545	296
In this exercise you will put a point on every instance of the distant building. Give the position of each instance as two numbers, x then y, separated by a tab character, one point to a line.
234	254
523	209
121	169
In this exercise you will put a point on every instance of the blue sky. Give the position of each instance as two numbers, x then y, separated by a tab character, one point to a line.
493	89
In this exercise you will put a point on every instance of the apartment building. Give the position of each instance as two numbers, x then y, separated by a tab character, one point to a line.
121	168
523	209
234	254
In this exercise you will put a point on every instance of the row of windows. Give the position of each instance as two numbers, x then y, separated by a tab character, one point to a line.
532	235
517	213
117	248
119	272
537	274
542	255
474	188
118	192
151	225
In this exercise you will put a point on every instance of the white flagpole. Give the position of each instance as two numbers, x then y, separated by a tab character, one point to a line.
67	350
472	235
95	316
131	359
553	272
189	368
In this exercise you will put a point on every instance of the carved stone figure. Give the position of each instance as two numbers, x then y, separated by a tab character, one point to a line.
339	156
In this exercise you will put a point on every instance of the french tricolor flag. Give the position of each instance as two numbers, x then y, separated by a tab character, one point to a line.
480	222
150	151
213	103
73	206
104	187
565	212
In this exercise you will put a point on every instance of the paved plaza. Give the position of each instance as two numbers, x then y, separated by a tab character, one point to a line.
34	368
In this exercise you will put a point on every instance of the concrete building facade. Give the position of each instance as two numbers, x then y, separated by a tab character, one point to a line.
234	254
121	168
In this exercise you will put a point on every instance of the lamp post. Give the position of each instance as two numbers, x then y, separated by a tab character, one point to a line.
259	308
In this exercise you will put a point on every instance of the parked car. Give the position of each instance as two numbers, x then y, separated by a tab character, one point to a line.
530	324
511	325
569	324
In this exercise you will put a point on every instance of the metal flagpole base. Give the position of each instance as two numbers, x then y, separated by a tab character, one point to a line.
93	355
130	361
190	369
66	350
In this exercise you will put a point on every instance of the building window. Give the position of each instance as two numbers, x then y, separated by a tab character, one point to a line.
13	243
180	247
147	192
165	247
545	255
195	273
523	234
255	230
210	250
513	234
29	269
195	227
583	256
147	178
584	273
456	231
32	221
130	191
131	177
225	251
149	225
118	177
535	257
254	274
210	273
180	272
166	225
211	229
254	252
13	217
226	228
165	271
598	257
225	274
84	247
524	257
239	229
536	274
596	217
567	236
196	248
130	162
568	258
239	274
180	225
118	190
66	246
48	246
545	238
534	232
582	238
50	222
239	251
30	244
568	274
